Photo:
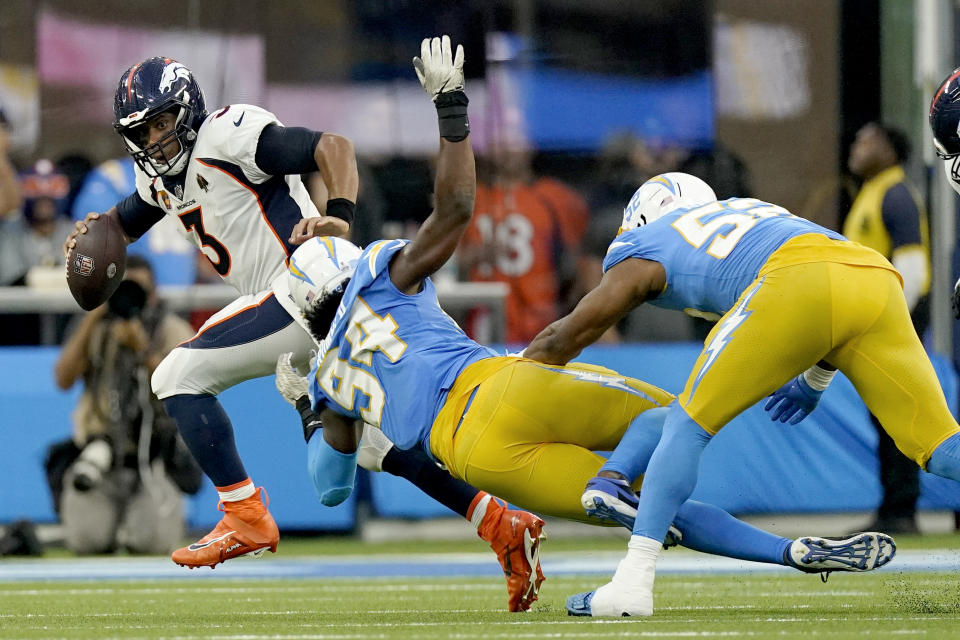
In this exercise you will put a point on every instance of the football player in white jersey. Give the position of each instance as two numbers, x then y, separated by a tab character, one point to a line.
231	181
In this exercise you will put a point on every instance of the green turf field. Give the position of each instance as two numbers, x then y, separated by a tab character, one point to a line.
884	604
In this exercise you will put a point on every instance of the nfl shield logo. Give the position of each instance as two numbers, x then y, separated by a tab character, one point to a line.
83	264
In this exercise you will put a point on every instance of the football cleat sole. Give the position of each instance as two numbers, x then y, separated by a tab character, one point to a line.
256	553
860	552
606	508
531	550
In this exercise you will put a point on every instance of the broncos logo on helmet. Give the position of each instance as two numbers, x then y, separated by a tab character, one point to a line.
171	73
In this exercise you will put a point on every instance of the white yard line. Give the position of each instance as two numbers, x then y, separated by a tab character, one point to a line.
418	565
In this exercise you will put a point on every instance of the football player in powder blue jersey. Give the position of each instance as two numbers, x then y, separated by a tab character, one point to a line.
795	302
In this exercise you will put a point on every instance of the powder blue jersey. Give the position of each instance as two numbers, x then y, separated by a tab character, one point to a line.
390	358
711	253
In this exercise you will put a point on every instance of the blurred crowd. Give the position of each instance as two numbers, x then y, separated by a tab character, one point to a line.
542	223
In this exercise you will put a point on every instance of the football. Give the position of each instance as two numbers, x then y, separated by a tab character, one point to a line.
96	263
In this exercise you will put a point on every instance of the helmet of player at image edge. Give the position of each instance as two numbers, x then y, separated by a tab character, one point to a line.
662	194
945	125
147	89
320	266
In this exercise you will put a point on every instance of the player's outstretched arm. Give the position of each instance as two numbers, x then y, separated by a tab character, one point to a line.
623	287
332	456
332	459
337	162
441	74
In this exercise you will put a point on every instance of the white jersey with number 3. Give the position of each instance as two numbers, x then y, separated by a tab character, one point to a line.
237	215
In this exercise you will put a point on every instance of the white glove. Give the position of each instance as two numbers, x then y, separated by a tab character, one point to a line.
291	385
373	448
438	71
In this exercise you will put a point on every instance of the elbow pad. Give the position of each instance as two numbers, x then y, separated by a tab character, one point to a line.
332	472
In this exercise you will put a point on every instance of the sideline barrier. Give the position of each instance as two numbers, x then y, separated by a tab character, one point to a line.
827	463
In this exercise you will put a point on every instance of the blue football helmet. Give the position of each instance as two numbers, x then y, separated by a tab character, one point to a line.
149	88
945	123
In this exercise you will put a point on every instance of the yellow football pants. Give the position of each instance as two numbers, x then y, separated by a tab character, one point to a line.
855	318
529	430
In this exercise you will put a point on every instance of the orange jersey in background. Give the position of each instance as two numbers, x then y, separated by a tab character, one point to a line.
522	233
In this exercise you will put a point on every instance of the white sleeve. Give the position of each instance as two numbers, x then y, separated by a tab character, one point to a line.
373	448
911	262
234	134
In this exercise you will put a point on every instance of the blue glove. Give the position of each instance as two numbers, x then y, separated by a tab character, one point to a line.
795	400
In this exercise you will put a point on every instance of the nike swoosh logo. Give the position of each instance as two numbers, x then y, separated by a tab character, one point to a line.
617	244
237	122
196	546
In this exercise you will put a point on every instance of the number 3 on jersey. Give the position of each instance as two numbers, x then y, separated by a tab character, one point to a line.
193	221
742	213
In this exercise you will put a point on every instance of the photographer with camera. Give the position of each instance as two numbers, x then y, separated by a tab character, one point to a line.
119	482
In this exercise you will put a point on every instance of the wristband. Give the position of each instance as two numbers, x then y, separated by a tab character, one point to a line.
309	418
452	115
818	378
341	208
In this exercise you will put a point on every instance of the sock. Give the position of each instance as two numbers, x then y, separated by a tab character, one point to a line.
237	492
478	508
485	514
208	434
945	460
631	456
710	529
671	475
635	570
417	467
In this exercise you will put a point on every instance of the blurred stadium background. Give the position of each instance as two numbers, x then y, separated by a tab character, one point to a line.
760	98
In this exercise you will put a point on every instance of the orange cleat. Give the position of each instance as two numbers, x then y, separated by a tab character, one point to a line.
515	536
247	529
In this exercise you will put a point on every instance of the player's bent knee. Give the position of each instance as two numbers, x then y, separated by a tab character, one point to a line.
183	371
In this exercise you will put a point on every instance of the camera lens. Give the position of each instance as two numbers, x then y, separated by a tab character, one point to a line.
128	300
94	461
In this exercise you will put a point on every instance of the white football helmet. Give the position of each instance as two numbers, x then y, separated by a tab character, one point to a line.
318	267
662	194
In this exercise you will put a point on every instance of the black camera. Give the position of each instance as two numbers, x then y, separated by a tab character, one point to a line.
128	300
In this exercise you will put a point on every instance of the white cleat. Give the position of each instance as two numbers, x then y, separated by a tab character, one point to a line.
609	601
630	593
